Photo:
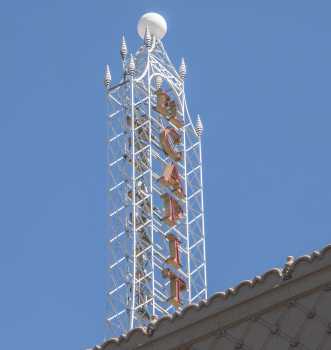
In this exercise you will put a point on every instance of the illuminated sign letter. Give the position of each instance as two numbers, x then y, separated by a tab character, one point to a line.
169	138
174	258
171	179
173	210
177	285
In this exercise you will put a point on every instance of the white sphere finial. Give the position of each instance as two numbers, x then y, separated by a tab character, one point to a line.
157	25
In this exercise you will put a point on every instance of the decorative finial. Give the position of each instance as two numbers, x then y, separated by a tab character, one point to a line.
182	69
156	23
148	38
158	81
132	66
124	49
107	79
199	126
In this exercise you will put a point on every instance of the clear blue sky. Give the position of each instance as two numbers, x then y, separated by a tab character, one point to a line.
259	73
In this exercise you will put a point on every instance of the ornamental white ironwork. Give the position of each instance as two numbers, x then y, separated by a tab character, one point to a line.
157	240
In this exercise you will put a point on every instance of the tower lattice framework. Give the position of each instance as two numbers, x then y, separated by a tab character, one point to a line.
157	240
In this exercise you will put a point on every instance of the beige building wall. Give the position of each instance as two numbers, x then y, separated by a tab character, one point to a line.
287	308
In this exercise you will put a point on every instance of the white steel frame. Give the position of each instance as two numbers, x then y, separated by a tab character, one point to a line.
138	292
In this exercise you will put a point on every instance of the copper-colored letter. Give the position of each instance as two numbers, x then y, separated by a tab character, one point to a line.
162	102
174	258
174	212
167	108
169	138
177	285
171	179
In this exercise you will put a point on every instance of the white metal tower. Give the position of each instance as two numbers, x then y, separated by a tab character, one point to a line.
157	239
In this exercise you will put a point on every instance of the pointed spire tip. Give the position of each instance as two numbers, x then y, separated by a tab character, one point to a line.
124	48
182	69
107	78
147	38
131	66
199	126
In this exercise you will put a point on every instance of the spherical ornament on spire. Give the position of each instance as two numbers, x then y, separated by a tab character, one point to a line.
156	23
131	66
148	38
182	69
199	126
107	78
124	49
158	81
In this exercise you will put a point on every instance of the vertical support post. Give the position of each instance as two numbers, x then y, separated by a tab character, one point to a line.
203	221
186	201
133	303
151	174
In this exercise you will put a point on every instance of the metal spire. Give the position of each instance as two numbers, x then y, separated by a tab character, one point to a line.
124	49
182	69
131	66
148	38
158	81
152	148
107	79
199	126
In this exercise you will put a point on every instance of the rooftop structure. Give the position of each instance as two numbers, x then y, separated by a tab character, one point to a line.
287	308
